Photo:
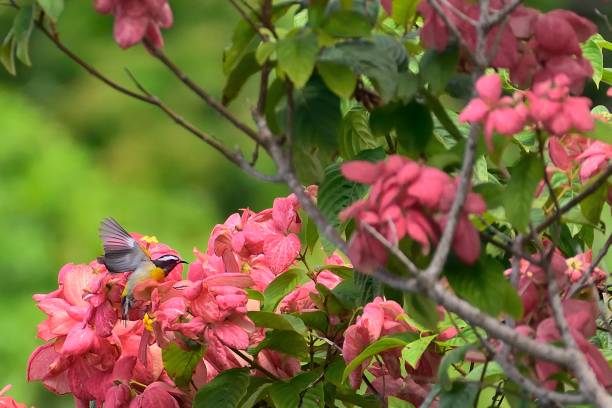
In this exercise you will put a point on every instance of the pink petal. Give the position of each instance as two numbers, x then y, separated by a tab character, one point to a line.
362	172
474	112
489	88
78	341
280	252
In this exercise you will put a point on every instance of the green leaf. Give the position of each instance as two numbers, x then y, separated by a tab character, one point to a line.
403	11
22	26
225	390
340	79
287	394
350	397
317	320
345	272
349	19
317	117
592	205
296	55
414	127
380	58
239	76
254	294
336	192
437	68
314	397
484	285
394	402
285	341
422	310
592	51
606	76
311	235
602	131
257	390
519	193
281	286
459	396
52	8
452	357
413	351
356	134
7	53
180	364
271	320
380	345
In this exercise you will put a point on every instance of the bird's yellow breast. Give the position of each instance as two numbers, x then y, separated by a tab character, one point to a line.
158	274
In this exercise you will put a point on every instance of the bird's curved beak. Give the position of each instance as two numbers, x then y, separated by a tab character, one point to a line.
185	262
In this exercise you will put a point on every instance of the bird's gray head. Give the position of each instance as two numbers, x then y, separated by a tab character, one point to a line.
168	262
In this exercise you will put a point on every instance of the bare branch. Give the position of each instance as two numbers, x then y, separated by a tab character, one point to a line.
452	27
497	16
210	101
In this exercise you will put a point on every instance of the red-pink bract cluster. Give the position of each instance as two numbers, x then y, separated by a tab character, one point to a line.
533	46
95	356
548	107
580	314
407	199
137	19
383	318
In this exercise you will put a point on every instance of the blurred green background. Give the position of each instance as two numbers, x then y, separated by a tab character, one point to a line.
73	151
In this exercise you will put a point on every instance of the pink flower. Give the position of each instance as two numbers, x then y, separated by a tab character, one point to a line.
280	365
8	402
406	200
157	395
137	19
580	264
504	115
580	317
551	107
387	5
594	159
564	150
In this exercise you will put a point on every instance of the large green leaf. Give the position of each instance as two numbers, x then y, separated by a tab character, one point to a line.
224	391
592	205
271	320
349	19
602	131
519	193
336	192
314	397
591	50
239	76
180	364
281	286
317	117
256	391
288	394
339	78
380	345
356	134
413	351
484	285
52	8
317	320
437	68
403	11
296	55
285	341
414	127
381	58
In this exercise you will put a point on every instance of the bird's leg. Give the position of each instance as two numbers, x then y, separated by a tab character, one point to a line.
126	303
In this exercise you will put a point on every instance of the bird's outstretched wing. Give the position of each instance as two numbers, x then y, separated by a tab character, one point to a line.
121	252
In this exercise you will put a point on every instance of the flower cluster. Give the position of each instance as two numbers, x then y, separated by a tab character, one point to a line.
407	199
93	355
8	402
383	318
533	46
549	107
89	352
137	19
580	314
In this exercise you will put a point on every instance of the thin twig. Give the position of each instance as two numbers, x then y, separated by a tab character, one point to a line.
210	101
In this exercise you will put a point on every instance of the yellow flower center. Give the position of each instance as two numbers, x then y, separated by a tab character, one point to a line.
574	264
148	322
149	239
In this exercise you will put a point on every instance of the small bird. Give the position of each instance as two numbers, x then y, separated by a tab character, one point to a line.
122	253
